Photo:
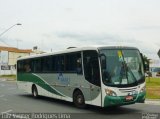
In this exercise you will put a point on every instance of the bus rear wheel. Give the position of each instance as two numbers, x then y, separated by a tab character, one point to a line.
34	91
78	99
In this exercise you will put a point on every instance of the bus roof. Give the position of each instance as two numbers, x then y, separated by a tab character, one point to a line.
74	49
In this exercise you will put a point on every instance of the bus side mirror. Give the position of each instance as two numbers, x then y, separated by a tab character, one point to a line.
105	74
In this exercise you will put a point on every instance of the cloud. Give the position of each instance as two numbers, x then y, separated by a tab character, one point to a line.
4	42
151	27
69	9
2	29
157	44
89	37
45	35
10	42
84	38
98	38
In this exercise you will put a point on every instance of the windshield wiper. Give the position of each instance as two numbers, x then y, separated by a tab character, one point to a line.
128	69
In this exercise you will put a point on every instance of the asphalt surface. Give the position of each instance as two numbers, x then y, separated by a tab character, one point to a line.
13	101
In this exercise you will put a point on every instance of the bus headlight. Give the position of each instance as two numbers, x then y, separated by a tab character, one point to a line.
110	92
143	89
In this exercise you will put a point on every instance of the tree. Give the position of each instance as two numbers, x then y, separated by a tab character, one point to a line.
146	62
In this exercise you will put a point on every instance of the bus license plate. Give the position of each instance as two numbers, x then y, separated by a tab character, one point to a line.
128	98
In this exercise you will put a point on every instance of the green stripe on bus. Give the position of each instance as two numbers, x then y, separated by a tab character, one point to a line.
36	80
120	100
116	100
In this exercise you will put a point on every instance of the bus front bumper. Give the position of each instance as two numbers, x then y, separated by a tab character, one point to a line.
121	100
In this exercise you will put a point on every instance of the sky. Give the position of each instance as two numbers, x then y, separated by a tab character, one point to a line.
54	25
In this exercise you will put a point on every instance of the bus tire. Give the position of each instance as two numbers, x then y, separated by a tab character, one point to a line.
34	91
78	99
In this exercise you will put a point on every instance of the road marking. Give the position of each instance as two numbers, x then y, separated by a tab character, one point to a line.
152	102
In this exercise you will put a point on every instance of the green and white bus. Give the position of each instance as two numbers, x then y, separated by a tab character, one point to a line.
102	76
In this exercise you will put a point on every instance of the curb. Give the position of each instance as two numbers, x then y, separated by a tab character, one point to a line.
7	79
152	101
10	79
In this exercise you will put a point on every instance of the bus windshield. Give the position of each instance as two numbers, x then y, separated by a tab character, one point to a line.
122	67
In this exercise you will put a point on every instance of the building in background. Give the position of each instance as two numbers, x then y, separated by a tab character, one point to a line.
36	50
155	68
8	58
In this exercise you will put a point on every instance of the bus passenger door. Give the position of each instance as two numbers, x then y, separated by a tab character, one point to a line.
92	75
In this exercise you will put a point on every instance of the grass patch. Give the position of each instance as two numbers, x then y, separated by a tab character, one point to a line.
13	77
153	88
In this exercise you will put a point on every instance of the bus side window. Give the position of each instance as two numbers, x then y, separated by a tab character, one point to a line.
53	63
20	66
47	64
27	66
37	65
91	67
73	63
59	63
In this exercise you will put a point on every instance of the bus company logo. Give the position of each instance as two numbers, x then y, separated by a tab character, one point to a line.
150	116
130	93
133	93
63	80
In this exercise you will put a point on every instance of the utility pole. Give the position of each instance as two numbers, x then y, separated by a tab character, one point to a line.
18	42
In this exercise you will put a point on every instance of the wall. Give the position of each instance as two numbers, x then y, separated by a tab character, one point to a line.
9	68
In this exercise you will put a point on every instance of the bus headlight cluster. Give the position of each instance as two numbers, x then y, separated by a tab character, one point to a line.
110	92
143	89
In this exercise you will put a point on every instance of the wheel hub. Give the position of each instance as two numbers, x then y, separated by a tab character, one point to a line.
79	99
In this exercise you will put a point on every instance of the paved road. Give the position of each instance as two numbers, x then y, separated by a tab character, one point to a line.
14	100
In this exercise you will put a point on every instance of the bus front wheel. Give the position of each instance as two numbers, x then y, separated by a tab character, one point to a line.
34	91
78	99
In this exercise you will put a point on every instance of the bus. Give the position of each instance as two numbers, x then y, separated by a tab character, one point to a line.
102	76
